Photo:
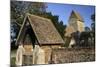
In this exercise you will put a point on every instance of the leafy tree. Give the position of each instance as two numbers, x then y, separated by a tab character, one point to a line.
14	31
87	29
84	37
93	29
20	8
88	36
93	17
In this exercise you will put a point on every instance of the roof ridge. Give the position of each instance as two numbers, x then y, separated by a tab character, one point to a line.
28	14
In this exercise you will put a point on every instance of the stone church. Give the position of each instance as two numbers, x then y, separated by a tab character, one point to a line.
36	39
75	23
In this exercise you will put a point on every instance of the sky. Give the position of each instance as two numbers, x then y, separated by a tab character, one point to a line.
64	11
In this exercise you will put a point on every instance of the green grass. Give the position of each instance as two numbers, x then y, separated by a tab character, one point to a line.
12	61
13	58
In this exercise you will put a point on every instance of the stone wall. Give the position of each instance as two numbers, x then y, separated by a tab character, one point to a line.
70	55
48	49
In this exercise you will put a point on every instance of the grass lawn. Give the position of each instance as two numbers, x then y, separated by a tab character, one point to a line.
12	58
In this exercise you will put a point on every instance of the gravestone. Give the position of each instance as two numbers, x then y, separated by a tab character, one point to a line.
39	55
19	55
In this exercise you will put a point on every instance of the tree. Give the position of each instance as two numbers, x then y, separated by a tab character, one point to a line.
93	29
14	31
93	17
20	8
87	29
93	23
84	39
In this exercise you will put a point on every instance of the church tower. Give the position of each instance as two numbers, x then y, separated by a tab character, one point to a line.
75	23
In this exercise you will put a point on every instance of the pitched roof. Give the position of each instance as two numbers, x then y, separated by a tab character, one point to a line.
44	30
77	15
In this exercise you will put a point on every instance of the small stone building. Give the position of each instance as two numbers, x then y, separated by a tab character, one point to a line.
75	23
36	39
